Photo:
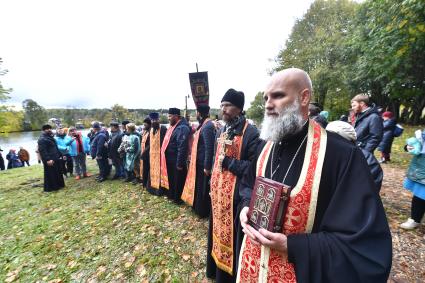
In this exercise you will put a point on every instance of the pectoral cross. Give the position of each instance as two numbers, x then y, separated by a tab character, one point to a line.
223	141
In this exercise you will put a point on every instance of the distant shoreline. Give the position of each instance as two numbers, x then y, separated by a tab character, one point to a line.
2	133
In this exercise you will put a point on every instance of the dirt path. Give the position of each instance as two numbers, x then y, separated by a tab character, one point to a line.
408	246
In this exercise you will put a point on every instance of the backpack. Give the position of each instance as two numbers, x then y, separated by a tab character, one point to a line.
398	130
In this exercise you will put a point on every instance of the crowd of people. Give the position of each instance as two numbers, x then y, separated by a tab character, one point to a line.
335	228
15	159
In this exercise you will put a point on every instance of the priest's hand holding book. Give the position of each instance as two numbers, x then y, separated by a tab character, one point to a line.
275	241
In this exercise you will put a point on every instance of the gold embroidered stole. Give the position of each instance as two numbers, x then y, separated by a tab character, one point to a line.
155	158
223	185
143	145
189	187
164	173
258	263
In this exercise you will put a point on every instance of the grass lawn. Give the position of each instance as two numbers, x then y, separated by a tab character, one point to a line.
112	231
88	231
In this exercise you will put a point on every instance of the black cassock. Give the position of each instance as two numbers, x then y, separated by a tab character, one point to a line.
146	157
204	156
53	178
350	240
176	156
238	168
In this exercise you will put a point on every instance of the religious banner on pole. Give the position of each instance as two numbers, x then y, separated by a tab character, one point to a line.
199	87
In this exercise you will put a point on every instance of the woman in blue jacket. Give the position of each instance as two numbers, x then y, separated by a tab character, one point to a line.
79	148
415	182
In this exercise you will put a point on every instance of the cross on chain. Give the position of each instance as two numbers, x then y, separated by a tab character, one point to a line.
223	141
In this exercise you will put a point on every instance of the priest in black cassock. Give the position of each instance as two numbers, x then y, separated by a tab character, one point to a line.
174	152
196	190
144	153
235	148
335	228
50	156
152	153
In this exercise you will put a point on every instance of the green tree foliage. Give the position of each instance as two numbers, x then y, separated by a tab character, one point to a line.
376	47
3	91
10	120
119	113
34	114
317	45
389	44
68	118
256	110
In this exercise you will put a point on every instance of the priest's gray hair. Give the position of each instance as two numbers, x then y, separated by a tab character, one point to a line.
289	122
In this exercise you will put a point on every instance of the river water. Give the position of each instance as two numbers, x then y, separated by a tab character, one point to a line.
27	140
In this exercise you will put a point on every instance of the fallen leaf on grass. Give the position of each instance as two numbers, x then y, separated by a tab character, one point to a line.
49	266
12	276
130	262
100	270
141	270
186	257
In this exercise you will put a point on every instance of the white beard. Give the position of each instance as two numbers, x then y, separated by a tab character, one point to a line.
289	122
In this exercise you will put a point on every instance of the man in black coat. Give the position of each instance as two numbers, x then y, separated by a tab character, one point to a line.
99	151
234	150
113	145
50	156
176	152
368	123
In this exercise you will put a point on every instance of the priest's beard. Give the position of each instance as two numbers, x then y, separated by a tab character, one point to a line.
289	122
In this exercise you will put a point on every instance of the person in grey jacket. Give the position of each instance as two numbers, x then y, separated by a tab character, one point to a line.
368	124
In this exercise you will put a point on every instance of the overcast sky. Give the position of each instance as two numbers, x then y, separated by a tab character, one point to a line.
93	54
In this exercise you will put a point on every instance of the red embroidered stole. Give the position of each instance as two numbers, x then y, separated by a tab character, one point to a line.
143	145
222	189
260	264
155	158
189	187
164	173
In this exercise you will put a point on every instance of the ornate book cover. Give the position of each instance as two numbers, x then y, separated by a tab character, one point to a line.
268	204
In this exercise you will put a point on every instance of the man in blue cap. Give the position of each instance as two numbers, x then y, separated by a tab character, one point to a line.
99	151
153	152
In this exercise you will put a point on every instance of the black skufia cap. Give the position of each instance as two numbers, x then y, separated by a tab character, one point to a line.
174	111
45	127
237	98
203	109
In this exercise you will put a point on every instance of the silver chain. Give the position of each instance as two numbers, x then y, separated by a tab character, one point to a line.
290	165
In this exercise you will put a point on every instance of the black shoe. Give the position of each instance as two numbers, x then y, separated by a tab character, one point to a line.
101	179
115	177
